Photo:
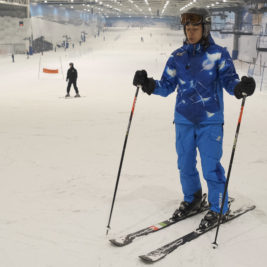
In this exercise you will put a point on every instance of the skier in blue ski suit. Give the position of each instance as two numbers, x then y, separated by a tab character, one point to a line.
199	72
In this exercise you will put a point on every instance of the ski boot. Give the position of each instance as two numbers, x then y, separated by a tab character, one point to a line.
77	95
67	95
186	208
211	219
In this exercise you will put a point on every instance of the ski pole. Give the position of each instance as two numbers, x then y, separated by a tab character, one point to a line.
122	157
215	245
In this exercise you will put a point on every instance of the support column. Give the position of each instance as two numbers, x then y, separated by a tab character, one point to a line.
235	46
28	8
237	28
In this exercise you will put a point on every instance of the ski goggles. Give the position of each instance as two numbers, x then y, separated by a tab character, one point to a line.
189	18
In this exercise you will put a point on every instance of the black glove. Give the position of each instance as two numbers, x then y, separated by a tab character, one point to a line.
247	86
147	84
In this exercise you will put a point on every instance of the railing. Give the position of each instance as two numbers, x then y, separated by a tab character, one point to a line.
262	43
232	28
18	3
15	2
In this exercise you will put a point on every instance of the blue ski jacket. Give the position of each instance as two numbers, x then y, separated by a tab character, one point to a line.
199	75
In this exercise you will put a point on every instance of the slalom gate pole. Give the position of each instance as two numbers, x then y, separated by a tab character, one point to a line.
229	169
122	157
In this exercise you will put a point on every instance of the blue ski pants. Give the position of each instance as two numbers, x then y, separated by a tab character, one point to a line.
208	140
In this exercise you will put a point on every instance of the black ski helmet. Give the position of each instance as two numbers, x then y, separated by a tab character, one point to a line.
206	18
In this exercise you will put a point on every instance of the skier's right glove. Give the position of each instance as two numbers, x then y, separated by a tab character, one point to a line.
246	86
147	84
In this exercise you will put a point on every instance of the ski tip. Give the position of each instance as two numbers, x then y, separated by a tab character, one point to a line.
114	242
146	259
150	258
117	243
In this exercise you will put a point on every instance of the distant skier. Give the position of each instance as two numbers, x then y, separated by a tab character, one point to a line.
199	70
13	58
72	76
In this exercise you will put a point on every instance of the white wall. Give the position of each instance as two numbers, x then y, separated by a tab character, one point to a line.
247	48
12	35
53	31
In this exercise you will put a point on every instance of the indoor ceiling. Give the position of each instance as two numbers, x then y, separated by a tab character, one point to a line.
154	8
147	8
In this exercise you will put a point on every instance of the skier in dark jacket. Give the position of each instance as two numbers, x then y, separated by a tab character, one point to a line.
199	70
72	78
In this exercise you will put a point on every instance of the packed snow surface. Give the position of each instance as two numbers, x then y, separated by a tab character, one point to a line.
59	160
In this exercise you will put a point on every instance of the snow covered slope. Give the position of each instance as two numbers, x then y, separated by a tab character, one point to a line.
59	160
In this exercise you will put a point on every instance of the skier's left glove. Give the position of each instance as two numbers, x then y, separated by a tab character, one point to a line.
147	84
246	86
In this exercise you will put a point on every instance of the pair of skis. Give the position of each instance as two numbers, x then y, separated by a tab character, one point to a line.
127	239
163	251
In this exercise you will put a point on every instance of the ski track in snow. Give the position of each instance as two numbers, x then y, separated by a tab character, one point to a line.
59	160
